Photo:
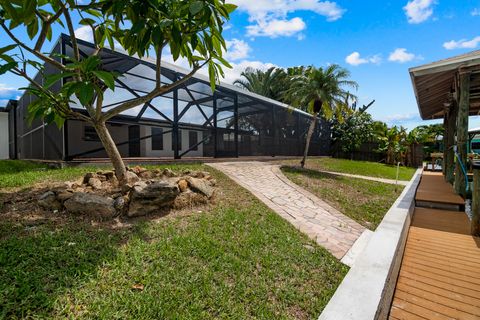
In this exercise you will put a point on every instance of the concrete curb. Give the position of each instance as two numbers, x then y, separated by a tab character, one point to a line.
367	290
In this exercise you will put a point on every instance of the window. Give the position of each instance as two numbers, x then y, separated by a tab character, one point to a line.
475	146
193	140
89	134
179	141
157	139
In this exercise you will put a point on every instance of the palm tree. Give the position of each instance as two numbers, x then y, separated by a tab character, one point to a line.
318	90
269	83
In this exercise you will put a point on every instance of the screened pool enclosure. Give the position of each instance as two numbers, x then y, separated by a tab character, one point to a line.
190	121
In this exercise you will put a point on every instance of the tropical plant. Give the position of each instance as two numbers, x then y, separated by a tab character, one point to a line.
191	29
269	83
318	90
354	129
392	143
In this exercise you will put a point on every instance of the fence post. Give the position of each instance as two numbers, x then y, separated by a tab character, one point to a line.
475	224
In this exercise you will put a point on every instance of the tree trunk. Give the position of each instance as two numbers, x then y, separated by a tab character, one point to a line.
309	137
112	151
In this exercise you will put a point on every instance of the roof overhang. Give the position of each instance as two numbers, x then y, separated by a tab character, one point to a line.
434	84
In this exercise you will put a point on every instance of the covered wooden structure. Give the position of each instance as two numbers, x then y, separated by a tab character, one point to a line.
450	90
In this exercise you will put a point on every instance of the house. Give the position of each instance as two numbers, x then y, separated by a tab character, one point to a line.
189	121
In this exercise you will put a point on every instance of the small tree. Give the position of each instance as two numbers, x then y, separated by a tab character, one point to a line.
192	30
355	129
319	90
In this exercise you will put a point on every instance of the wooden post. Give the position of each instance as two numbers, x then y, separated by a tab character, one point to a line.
445	149
462	133
475	224
449	159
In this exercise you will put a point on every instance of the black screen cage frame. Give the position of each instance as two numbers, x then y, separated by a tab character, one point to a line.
232	122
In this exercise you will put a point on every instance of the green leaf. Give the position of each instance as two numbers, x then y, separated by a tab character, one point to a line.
7	67
51	79
32	29
230	7
107	78
7	48
85	95
211	75
196	7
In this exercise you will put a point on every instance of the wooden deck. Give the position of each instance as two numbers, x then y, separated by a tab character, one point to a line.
440	272
434	192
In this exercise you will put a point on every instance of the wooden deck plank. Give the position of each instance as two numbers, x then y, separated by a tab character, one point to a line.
401	314
439	277
451	303
434	188
418	310
472	301
434	305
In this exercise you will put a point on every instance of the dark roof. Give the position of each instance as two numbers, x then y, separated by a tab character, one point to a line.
433	84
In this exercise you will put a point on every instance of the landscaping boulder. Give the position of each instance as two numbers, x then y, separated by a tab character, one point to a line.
145	199
90	204
131	177
48	201
189	199
64	195
95	183
183	185
200	185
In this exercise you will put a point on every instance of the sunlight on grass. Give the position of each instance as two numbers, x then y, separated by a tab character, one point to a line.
362	200
363	168
235	259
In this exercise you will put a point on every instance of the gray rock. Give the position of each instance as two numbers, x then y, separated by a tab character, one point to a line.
95	183
48	201
88	176
119	204
90	204
169	173
201	186
131	177
63	196
150	198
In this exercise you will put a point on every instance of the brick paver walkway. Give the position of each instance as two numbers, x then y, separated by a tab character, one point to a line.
311	215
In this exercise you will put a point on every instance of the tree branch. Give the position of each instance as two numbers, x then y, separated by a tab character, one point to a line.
45	25
159	65
67	112
32	51
71	30
153	94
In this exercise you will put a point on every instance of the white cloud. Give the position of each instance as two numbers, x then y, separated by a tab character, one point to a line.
276	27
401	55
273	15
84	33
475	12
400	118
418	11
237	68
237	49
7	93
355	59
462	44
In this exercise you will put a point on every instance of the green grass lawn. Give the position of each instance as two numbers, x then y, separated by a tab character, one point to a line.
20	173
362	200
234	259
363	168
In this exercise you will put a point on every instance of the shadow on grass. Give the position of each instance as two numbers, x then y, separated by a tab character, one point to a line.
39	263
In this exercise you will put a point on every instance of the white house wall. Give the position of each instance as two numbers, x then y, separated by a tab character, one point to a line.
77	144
146	145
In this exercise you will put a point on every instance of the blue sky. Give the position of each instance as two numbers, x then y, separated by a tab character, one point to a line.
376	40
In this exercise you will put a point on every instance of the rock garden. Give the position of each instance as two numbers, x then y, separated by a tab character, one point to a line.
99	196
